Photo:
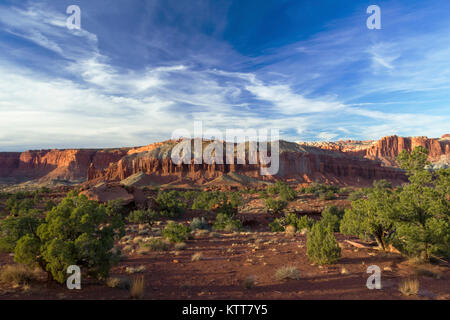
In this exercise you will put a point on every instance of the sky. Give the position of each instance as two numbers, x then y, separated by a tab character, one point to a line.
138	70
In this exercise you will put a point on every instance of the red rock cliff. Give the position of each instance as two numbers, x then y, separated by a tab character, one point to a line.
388	148
55	164
304	164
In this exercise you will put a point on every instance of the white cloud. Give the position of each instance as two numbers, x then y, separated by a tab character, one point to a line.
97	104
285	101
326	136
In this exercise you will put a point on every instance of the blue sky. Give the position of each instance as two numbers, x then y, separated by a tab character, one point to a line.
138	70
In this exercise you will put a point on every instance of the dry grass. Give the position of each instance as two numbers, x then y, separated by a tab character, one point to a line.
116	282
290	230
201	233
137	288
157	244
143	250
344	271
138	269
409	287
249	282
18	274
288	272
180	246
197	256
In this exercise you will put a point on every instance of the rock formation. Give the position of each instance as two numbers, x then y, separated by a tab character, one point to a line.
70	165
388	148
345	162
299	163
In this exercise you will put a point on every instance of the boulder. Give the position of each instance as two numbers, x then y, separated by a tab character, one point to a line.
105	192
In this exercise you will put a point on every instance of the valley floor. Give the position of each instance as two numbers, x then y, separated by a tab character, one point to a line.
228	259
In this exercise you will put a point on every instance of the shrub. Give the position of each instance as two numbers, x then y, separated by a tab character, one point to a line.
422	217
305	222
322	246
14	228
44	190
415	217
199	224
209	200
277	225
283	190
332	216
288	272
356	195
169	204
291	220
76	232
235	199
372	217
49	205
4	195
227	209
226	223
263	194
176	232
287	194
16	205
275	206
189	195
329	195
143	216
318	188
116	207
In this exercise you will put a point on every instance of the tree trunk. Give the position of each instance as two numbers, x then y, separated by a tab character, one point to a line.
380	241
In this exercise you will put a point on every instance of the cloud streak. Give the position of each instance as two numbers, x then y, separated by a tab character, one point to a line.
337	83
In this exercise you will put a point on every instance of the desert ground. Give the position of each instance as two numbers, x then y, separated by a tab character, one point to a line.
243	265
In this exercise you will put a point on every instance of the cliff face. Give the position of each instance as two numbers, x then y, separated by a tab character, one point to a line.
302	164
388	148
347	162
55	164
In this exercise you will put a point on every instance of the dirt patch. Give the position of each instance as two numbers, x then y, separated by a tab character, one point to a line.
229	259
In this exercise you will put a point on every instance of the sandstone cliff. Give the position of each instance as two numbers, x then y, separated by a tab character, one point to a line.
71	165
298	163
346	162
388	148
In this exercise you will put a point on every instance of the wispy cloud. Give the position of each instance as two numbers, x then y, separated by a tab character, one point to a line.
341	82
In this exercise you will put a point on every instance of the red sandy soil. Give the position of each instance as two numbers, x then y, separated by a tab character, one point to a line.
230	258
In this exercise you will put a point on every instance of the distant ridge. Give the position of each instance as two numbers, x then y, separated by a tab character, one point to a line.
345	162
